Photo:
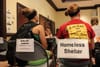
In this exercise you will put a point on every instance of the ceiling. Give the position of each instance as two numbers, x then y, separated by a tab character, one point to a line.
61	5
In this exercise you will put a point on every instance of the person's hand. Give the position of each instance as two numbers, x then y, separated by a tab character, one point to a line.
93	60
50	53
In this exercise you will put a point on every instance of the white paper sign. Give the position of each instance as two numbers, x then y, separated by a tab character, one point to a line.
1	40
25	45
73	48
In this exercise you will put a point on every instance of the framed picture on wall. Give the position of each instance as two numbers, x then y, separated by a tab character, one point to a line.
47	23
11	25
20	18
10	22
11	19
72	0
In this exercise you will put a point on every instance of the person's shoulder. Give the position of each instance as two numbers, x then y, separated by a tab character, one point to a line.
40	26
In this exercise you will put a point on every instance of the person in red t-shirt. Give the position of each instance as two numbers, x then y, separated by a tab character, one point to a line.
76	29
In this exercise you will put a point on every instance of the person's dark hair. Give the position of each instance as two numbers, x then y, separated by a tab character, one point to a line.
73	10
94	21
28	13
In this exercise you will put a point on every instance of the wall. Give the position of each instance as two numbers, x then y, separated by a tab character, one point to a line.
98	12
41	6
46	10
86	15
11	14
61	18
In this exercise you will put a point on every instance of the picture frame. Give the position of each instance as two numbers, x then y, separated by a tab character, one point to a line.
46	22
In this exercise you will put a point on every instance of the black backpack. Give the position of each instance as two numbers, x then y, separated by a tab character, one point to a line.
23	32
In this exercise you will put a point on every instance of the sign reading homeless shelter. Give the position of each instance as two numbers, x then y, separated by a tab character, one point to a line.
73	48
25	45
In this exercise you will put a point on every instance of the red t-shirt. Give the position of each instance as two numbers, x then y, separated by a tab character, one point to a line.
76	28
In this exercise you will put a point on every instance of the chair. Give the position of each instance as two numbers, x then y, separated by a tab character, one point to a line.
34	59
53	47
67	56
97	54
3	49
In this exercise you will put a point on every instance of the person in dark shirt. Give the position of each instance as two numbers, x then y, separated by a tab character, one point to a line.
32	16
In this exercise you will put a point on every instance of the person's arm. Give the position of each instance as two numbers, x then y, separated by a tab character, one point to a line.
92	51
59	33
91	41
42	37
48	33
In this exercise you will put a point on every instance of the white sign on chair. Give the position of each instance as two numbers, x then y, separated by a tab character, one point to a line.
73	48
25	45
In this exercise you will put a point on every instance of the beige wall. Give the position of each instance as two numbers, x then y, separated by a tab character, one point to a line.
11	15
41	6
98	12
85	16
46	10
61	18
